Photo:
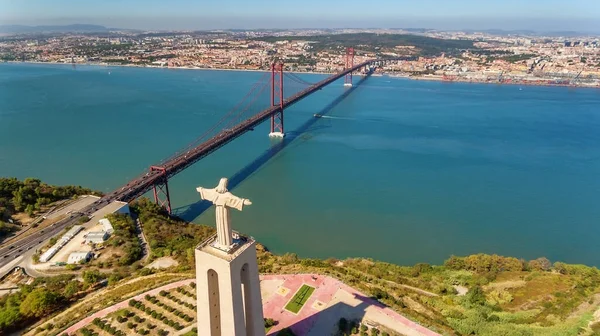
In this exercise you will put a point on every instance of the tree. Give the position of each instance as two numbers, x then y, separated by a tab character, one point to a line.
92	277
39	303
455	263
476	295
343	325
540	264
379	294
9	317
71	289
286	332
30	209
560	267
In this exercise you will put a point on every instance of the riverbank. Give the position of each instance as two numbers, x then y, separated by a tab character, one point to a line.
108	65
532	82
435	78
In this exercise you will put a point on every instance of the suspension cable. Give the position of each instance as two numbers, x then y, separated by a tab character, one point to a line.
223	119
297	78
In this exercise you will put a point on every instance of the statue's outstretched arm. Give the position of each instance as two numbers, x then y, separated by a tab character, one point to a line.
237	202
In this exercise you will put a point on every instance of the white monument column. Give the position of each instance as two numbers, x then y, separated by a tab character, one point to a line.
227	282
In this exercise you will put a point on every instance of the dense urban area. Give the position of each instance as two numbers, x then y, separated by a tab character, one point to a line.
450	56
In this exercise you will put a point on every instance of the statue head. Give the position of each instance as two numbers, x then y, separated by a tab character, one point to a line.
222	186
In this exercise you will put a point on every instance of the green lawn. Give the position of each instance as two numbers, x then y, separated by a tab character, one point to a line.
300	299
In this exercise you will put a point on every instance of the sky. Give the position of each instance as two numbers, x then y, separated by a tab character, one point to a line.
541	15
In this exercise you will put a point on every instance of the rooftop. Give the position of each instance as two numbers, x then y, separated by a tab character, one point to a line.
95	234
109	209
79	253
74	230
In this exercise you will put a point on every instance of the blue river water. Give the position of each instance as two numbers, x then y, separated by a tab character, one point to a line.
398	170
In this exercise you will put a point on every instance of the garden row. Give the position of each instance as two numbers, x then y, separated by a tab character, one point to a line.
168	308
106	327
186	292
177	300
156	315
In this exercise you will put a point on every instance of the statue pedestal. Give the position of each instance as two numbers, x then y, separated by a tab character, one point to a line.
236	239
228	289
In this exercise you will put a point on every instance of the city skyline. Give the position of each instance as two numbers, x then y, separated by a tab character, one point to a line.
552	15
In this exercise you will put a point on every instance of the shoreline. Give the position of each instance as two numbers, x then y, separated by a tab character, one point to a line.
108	65
524	83
391	75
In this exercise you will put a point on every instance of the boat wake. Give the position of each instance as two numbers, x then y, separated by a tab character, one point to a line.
332	117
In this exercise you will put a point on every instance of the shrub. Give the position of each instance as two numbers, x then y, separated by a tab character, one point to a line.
476	296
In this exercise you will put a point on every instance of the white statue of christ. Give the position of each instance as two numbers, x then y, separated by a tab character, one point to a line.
223	200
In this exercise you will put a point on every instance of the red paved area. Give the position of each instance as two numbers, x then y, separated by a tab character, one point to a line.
124	304
301	323
326	288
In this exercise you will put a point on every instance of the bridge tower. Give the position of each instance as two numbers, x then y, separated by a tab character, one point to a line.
277	129
349	65
161	189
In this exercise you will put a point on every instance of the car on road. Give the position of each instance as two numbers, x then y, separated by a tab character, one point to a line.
6	256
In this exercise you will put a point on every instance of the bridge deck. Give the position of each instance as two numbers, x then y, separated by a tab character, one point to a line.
140	186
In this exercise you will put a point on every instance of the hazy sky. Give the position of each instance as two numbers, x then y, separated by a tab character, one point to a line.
582	15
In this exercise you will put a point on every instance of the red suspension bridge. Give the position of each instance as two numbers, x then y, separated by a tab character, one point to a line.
233	124
242	118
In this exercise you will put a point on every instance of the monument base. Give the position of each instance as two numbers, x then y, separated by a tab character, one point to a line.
228	289
276	135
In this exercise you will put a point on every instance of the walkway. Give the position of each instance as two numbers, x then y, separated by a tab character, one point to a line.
331	300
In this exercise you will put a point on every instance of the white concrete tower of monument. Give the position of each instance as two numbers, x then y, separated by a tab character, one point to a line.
227	283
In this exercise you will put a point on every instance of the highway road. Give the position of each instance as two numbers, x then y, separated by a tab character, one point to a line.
17	248
34	241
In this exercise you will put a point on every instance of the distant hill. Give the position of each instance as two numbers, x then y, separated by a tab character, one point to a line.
75	28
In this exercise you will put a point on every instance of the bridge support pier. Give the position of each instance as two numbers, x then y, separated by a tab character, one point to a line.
349	65
277	130
161	189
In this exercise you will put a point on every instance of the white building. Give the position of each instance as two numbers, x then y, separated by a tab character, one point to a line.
77	257
46	256
96	237
69	235
106	225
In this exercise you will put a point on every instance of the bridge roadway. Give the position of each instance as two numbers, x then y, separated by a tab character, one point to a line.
141	185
